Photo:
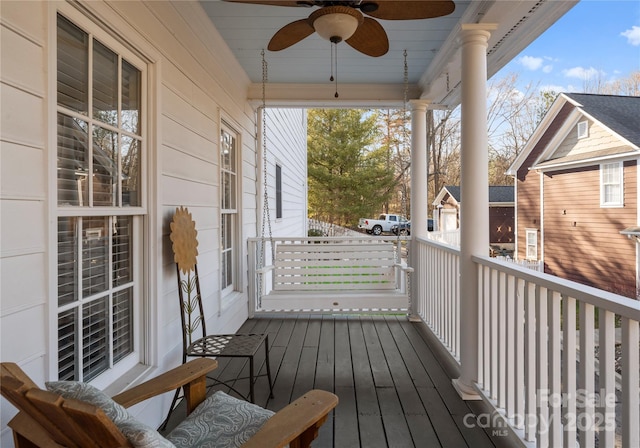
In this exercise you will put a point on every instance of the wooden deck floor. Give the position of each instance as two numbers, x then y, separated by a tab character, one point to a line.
393	390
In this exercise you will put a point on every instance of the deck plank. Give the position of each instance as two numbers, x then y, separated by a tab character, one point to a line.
394	389
346	414
401	400
324	377
369	415
286	376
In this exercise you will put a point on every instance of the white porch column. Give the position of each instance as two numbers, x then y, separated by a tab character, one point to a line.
474	192
419	205
419	195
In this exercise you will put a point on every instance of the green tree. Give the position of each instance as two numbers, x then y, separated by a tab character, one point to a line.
395	139
348	176
546	99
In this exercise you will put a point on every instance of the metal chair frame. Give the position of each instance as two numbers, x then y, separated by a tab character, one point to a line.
216	346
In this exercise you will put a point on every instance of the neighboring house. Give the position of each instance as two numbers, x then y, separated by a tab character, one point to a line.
501	214
577	190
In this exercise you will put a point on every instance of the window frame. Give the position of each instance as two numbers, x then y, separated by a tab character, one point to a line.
618	167
138	213
228	289
531	244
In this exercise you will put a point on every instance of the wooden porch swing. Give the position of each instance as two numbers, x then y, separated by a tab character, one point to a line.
338	274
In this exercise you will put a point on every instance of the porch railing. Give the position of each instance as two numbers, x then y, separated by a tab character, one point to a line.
559	361
436	290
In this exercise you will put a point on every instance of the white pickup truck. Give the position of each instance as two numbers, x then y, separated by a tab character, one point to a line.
383	224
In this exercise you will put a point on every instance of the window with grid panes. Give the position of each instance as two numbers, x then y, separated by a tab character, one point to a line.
99	199
611	184
228	208
532	244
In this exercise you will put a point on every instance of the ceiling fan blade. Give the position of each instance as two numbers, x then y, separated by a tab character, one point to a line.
268	2
290	34
370	38
410	10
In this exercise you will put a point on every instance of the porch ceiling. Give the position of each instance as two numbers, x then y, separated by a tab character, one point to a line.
299	75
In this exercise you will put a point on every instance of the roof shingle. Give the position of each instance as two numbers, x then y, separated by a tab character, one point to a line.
621	114
497	193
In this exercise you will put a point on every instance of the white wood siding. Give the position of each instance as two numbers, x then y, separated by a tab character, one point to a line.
287	146
23	195
195	83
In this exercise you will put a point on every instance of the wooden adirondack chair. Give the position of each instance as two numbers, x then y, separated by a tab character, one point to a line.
46	419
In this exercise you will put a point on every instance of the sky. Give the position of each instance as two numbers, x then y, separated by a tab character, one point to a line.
596	39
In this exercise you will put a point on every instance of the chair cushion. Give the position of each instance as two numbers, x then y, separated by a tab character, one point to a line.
138	434
220	421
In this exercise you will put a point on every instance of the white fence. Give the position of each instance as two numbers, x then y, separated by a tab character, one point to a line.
450	238
331	230
529	264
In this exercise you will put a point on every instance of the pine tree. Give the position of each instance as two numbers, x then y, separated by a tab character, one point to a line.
348	176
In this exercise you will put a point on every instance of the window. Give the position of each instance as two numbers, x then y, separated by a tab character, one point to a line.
532	244
583	129
278	191
611	185
229	208
99	197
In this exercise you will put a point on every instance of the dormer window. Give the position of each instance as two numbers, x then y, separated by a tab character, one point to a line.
583	129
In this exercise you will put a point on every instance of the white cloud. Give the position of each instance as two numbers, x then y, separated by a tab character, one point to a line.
583	73
531	62
516	95
632	35
547	68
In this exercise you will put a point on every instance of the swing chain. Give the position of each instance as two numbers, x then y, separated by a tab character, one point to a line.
404	134
405	139
266	217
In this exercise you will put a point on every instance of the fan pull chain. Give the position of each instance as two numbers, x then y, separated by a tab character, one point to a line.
336	95
334	64
331	78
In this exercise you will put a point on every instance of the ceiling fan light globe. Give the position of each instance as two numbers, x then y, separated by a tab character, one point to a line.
336	25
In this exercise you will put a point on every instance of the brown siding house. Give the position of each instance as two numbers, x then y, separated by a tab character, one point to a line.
501	214
577	190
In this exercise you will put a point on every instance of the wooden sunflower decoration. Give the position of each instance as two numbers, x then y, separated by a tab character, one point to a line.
183	236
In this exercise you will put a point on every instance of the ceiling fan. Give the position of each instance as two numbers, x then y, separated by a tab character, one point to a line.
347	21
